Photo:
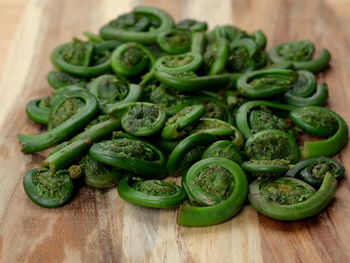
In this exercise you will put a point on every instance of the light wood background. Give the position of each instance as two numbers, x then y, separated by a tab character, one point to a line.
100	227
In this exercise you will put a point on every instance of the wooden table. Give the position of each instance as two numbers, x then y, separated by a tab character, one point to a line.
100	227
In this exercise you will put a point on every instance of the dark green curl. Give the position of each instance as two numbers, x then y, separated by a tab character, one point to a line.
217	183
290	199
47	189
323	122
300	53
314	170
151	193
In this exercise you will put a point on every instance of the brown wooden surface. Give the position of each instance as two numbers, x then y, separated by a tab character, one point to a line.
100	227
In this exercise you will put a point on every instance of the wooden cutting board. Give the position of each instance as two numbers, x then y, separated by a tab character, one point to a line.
100	227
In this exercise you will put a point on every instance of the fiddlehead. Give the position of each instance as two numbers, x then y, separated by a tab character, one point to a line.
64	109
289	199
179	63
305	85
151	193
316	121
77	58
300	53
143	119
99	175
314	170
132	155
142	25
244	119
111	90
259	38
219	185
174	41
266	168
38	110
59	79
272	145
63	131
185	62
321	122
47	189
131	59
266	83
270	152
306	92
263	119
189	82
318	98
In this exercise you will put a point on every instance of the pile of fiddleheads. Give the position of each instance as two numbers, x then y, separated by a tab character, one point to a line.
176	115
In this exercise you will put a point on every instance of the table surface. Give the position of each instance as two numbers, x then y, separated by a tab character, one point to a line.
100	227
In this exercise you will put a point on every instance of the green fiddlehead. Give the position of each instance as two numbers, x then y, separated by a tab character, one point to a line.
111	90
321	122
142	25
99	175
306	92
151	193
64	109
47	189
272	145
132	155
314	170
305	85
131	59
179	63
219	185
63	131
77	58
59	79
263	119
244	118
266	83
38	110
300	53
290	199
174	41
143	119
189	82
266	168
185	62
318	98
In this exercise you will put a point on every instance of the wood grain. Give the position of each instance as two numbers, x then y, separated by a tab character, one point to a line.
100	227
